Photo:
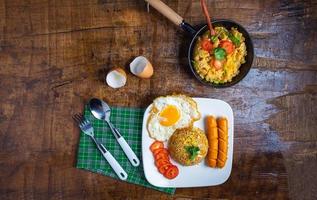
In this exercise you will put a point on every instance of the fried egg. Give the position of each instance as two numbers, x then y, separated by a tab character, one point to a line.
170	113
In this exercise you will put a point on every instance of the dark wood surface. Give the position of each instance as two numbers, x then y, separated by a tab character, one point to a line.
53	58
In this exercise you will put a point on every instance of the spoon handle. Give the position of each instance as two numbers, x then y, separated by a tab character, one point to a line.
134	160
129	152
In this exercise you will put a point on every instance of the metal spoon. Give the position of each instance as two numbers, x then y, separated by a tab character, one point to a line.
102	111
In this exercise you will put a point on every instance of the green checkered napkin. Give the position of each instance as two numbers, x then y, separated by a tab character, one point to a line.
129	123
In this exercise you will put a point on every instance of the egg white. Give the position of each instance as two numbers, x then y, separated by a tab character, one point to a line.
187	110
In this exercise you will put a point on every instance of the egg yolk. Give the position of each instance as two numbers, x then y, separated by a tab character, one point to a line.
170	115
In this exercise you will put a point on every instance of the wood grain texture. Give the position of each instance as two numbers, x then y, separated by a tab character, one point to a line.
54	55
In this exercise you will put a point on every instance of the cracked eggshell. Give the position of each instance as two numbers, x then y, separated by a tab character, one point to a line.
141	67
116	77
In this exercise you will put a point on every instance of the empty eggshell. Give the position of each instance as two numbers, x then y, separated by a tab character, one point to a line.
141	67
116	77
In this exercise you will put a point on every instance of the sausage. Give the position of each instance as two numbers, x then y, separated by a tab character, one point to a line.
212	136
222	124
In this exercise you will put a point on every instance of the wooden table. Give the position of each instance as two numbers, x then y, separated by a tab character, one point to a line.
54	55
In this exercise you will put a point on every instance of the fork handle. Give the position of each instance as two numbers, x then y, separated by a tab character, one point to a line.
111	160
115	165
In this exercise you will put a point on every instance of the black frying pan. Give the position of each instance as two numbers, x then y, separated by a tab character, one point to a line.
178	20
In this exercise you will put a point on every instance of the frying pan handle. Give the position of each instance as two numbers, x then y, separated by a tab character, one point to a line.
166	11
188	28
171	15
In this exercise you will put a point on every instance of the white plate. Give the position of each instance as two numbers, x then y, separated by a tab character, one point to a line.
191	176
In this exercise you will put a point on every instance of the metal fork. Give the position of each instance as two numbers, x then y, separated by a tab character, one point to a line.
87	128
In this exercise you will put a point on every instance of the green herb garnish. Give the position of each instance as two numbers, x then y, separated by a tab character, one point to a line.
214	38
234	39
220	53
192	151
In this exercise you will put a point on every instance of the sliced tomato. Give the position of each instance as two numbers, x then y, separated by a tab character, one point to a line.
156	145
161	162
164	150
162	169
171	172
161	155
206	45
156	151
227	45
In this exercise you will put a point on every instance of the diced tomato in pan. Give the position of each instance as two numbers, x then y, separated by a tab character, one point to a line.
206	45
